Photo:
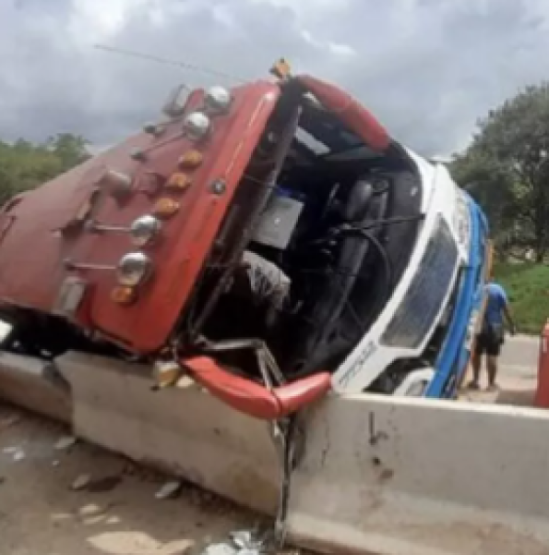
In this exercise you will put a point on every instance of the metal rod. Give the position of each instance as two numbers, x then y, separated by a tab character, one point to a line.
109	228
88	266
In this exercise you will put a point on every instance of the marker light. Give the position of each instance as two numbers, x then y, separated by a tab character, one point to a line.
166	207
217	100
133	269
178	182
122	294
144	230
196	126
191	159
281	69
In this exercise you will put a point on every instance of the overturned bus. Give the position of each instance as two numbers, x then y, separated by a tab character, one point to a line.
272	241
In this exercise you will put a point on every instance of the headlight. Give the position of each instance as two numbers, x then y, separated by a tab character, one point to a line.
196	126
217	99
144	230
134	268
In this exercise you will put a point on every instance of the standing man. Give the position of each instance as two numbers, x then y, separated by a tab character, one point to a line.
491	337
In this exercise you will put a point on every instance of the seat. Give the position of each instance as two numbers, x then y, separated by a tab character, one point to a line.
252	398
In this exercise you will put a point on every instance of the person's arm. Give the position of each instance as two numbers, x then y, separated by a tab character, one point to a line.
509	318
507	312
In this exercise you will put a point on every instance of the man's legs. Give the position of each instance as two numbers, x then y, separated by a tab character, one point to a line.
492	365
476	361
493	350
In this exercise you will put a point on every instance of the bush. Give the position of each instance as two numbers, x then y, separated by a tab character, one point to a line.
527	287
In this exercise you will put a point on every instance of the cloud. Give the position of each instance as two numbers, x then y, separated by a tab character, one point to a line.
426	68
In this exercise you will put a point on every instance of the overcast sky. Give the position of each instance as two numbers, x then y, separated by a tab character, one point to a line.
426	68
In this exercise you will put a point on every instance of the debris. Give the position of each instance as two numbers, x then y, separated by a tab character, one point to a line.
168	490
242	538
55	463
104	484
92	510
245	542
221	549
2	480
65	443
16	452
81	482
166	373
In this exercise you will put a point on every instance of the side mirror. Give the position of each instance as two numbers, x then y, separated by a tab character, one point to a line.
175	102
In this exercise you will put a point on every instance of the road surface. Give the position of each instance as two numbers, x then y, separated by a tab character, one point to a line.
517	374
117	513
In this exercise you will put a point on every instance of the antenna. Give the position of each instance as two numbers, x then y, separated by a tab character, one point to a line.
156	59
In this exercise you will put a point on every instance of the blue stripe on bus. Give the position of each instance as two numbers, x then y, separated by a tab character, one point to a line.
454	355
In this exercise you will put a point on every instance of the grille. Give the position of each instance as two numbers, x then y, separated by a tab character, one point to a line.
421	305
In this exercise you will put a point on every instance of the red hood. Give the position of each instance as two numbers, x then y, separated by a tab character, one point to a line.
34	244
33	250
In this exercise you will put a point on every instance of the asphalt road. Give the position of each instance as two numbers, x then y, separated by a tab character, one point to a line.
520	356
517	373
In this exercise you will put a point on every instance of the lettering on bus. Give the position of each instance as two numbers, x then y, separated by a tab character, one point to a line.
357	365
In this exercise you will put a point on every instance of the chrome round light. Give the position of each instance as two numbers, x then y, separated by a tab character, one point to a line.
217	99
134	268
144	230
196	125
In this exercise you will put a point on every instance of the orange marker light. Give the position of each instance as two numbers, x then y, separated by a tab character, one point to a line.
281	69
122	294
166	207
178	182
191	159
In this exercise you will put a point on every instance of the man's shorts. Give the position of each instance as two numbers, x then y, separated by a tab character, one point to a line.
488	343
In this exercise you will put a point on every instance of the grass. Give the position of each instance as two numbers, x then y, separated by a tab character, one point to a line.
527	286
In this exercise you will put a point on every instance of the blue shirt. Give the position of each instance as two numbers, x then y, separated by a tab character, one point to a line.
495	303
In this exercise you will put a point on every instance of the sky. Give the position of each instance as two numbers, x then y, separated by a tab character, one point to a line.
428	69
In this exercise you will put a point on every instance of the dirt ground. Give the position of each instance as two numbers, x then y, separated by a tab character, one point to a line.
117	513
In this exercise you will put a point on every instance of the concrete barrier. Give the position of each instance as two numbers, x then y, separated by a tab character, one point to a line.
35	385
182	429
415	476
379	475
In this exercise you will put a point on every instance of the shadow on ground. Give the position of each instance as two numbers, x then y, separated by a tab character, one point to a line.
517	397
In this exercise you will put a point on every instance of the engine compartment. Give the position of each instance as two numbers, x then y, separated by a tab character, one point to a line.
312	247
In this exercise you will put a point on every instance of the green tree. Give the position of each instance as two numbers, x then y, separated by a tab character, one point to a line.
70	149
24	165
506	168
